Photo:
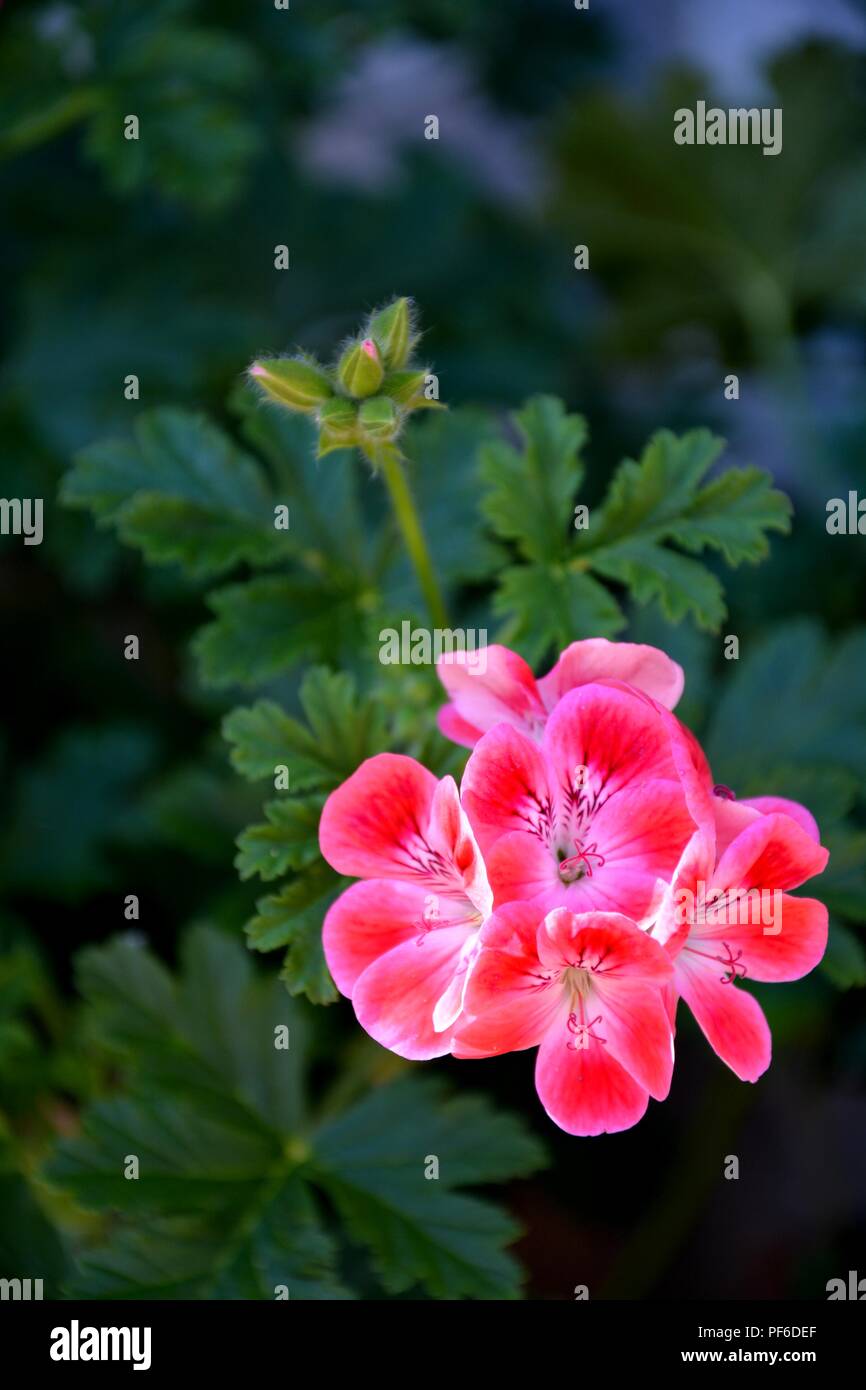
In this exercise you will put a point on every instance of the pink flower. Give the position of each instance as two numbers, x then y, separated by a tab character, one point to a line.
727	917
587	989
592	818
506	691
400	944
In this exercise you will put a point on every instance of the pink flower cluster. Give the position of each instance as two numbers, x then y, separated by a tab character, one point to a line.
585	877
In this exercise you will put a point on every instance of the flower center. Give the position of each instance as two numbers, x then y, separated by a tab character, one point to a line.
579	865
578	980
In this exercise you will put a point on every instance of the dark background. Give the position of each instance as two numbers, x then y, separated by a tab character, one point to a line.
307	128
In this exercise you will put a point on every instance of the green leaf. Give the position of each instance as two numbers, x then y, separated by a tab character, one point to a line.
293	918
344	729
547	606
266	626
181	492
530	492
232	1169
209	1035
263	737
657	502
819	722
732	514
287	840
651	571
372	1163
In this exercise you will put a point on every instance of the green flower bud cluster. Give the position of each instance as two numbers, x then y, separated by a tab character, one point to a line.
364	400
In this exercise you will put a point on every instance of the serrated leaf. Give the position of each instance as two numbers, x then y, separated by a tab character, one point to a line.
328	526
266	626
733	514
658	502
210	1034
293	918
288	839
264	737
681	586
372	1163
530	491
548	606
645	498
344	729
227	1199
181	492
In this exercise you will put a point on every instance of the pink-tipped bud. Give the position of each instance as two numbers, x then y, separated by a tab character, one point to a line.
293	382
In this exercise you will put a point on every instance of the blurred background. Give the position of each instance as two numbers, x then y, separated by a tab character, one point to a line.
306	128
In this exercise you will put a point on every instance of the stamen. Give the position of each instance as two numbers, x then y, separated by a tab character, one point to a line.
430	919
735	970
724	792
584	855
582	1033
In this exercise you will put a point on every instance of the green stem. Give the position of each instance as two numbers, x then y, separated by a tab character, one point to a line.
410	525
37	128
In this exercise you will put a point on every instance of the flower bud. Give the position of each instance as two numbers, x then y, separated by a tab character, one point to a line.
377	420
360	370
338	420
391	328
407	389
402	387
293	382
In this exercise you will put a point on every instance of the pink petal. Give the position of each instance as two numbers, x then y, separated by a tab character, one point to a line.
730	817
781	938
505	787
731	1020
457	729
505	691
395	997
636	1029
508	1005
643	829
520	865
606	944
365	922
772	852
676	914
450	837
768	804
598	659
615	733
585	1090
372	825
